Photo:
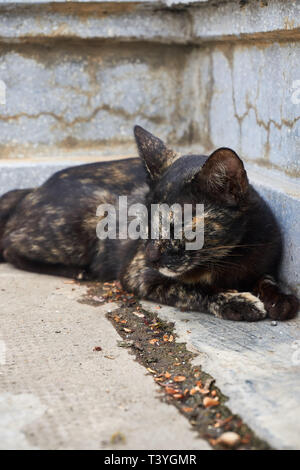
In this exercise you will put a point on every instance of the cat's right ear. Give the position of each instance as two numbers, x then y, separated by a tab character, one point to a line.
223	175
153	151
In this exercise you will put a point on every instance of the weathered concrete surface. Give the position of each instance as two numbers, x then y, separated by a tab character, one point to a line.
137	2
29	173
56	392
85	96
176	21
78	78
120	21
115	70
232	20
283	196
256	365
247	99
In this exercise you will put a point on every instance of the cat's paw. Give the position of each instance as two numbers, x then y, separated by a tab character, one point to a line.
282	307
238	306
279	306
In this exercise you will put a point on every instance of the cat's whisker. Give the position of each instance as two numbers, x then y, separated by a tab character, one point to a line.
222	247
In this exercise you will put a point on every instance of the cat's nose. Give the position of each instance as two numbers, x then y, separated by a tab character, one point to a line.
152	253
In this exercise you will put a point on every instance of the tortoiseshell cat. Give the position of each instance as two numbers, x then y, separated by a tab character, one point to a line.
52	229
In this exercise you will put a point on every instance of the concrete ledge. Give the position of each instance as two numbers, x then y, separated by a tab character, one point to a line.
267	20
31	173
283	196
165	21
167	3
125	21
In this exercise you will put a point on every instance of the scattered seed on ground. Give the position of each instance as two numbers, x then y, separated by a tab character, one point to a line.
181	384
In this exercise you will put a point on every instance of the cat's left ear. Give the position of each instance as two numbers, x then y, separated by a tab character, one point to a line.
156	155
223	175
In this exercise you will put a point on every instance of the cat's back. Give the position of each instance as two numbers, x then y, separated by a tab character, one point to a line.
72	195
117	176
83	187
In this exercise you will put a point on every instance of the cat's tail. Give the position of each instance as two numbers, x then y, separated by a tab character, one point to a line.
8	203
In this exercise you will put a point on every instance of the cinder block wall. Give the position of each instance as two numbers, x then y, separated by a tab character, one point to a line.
202	74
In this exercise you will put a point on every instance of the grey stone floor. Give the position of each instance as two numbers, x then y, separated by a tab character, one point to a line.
256	365
57	393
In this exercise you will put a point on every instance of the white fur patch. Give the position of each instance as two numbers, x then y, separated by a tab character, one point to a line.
248	297
239	297
167	272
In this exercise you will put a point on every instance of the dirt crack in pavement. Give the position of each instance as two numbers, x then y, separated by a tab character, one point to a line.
181	384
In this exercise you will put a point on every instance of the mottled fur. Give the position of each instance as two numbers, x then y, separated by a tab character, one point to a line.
52	229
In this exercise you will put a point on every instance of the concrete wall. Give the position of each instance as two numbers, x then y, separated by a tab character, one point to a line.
246	100
200	74
89	96
79	75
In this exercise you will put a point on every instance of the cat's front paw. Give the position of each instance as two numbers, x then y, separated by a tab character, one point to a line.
279	306
282	307
238	306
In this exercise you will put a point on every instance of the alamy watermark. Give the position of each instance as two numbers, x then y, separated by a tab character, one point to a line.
296	93
132	222
296	353
295	99
2	353
2	93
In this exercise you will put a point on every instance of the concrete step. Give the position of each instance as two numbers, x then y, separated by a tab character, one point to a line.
283	196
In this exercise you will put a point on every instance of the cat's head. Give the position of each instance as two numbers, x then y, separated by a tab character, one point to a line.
218	182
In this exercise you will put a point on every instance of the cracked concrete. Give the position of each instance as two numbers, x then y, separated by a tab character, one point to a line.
78	77
56	392
250	102
75	97
256	365
190	74
91	97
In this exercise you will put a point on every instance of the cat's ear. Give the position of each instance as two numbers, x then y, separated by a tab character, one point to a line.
156	155
223	175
